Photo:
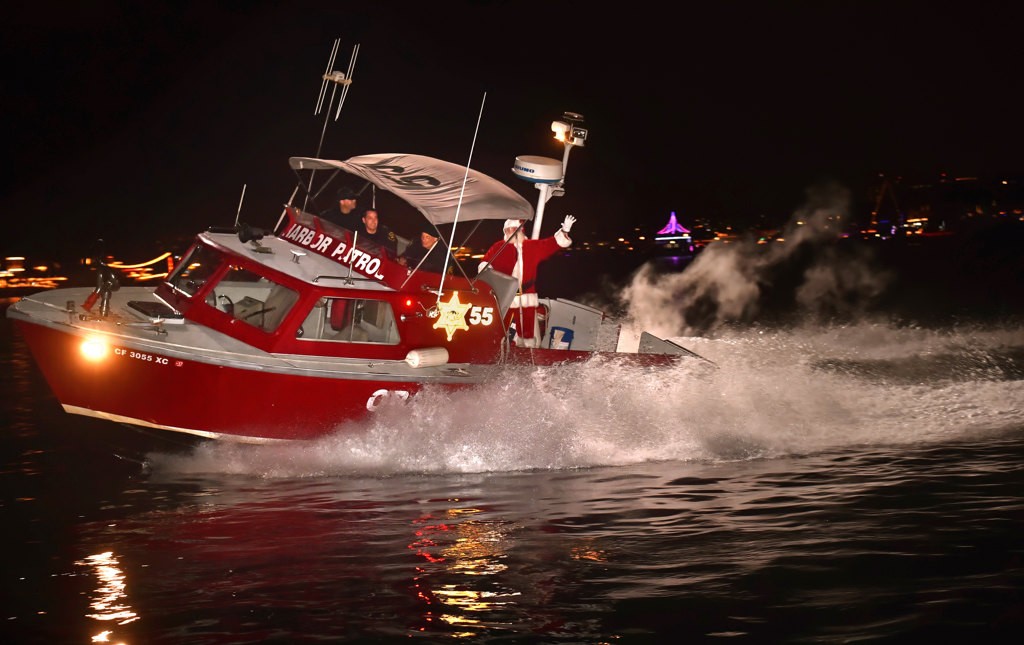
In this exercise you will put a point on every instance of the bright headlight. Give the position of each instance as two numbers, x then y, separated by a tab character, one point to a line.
95	349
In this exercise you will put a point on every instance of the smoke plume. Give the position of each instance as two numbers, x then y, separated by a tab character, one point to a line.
806	273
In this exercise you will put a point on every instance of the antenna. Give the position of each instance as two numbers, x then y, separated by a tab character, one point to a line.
284	211
335	79
351	71
238	215
323	84
462	192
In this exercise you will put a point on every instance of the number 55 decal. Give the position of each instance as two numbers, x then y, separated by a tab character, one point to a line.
481	315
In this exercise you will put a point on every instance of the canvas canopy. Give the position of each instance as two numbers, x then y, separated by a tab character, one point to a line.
432	186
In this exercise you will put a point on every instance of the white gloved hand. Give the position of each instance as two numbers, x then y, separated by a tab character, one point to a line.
568	222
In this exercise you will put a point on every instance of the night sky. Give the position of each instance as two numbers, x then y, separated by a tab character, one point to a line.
138	122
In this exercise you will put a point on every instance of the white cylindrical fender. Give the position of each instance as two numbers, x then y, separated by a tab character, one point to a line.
427	357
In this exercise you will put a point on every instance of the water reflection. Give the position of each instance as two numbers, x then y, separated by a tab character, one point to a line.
588	552
460	552
109	600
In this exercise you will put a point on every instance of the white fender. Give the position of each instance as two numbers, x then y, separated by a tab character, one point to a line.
427	357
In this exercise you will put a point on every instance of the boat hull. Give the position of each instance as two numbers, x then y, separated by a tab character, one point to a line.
146	388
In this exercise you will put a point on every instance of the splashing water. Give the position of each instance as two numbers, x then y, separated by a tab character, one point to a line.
796	390
773	394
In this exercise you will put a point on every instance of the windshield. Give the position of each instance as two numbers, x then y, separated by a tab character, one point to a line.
251	298
195	269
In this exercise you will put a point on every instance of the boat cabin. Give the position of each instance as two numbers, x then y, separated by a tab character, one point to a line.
310	291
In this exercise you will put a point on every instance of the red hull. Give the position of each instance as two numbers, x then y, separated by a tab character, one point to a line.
201	398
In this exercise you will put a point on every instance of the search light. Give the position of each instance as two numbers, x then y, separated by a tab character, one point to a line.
561	129
94	349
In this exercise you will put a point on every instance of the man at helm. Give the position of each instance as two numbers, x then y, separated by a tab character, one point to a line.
519	258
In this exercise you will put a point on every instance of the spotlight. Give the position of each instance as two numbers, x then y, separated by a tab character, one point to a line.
561	130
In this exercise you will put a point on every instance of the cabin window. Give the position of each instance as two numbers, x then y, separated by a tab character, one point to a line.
350	320
251	298
193	271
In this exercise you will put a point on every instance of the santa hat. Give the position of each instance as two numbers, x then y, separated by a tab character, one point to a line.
511	223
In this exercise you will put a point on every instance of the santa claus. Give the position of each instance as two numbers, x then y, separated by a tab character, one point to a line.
519	257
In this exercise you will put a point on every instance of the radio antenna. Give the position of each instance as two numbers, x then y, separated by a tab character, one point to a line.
334	79
238	215
462	192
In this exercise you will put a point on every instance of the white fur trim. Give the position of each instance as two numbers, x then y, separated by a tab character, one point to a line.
563	239
527	342
524	300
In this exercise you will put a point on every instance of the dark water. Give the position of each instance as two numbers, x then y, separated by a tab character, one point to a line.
847	483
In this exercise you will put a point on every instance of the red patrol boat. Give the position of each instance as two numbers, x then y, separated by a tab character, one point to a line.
303	329
287	334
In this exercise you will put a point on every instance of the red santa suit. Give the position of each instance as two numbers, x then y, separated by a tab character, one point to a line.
520	258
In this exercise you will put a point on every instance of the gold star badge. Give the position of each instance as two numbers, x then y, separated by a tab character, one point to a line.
452	315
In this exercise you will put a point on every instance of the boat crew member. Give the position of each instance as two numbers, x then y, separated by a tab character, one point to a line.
426	247
345	212
519	257
379	235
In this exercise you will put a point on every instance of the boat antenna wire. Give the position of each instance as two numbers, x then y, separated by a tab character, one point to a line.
462	193
323	83
284	211
238	215
348	76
